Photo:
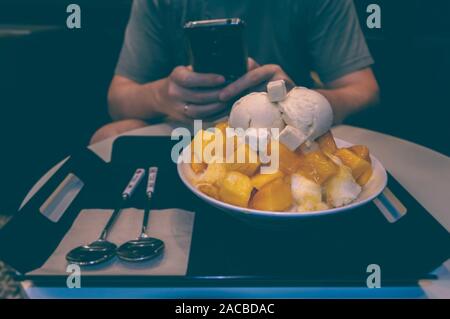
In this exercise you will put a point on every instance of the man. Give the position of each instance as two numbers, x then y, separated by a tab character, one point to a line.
287	39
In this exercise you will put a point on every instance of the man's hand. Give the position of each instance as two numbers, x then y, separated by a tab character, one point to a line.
167	97
347	95
186	95
201	93
256	80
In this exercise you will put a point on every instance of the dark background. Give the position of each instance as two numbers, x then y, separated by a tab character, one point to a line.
53	82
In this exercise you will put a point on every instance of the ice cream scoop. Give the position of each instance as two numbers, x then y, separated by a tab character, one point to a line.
308	111
256	111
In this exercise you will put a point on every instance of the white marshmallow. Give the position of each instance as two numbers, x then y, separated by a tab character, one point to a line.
277	91
292	137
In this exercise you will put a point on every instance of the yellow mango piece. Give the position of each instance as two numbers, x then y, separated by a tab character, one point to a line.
356	163
214	174
327	144
317	167
362	151
199	143
203	145
243	160
197	166
209	145
222	126
226	140
236	189
260	180
231	142
275	196
365	177
288	161
209	189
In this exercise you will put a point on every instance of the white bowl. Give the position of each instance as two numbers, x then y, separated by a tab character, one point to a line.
370	191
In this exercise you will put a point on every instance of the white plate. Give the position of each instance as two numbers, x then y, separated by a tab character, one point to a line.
370	191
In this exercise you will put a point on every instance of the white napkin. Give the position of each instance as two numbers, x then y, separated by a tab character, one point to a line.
173	226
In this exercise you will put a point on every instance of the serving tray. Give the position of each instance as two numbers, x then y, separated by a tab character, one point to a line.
329	251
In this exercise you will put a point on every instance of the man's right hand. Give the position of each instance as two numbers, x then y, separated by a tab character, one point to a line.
185	95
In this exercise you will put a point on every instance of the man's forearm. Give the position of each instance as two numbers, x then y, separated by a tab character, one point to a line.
128	99
349	100
351	93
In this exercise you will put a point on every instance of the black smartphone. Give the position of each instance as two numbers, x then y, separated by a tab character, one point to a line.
218	46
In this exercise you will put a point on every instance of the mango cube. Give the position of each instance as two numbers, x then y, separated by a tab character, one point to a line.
317	167
288	161
356	163
275	196
260	180
198	168
362	151
196	165
365	177
243	160
327	143
222	126
214	174
236	189
209	189
199	143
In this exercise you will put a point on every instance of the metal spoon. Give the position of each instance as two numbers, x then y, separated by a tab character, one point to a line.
102	250
144	247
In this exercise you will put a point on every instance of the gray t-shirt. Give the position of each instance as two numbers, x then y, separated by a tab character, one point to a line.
299	35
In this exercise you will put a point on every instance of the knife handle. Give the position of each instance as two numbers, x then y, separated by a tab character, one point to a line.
133	183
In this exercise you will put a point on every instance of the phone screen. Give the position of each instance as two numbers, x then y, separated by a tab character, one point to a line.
218	46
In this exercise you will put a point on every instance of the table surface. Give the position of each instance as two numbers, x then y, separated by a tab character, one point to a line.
414	166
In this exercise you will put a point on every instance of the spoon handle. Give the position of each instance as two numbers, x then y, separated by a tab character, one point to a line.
152	173
111	221
132	185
